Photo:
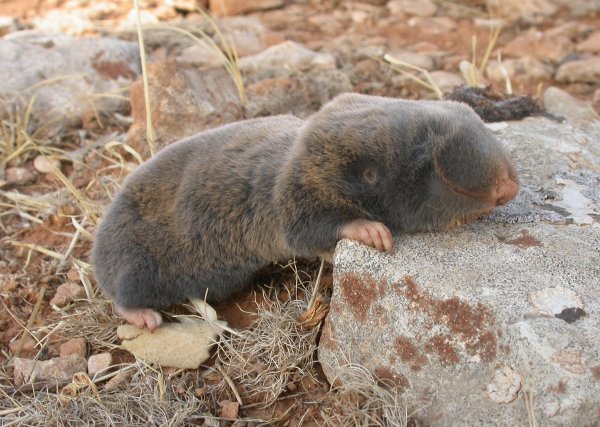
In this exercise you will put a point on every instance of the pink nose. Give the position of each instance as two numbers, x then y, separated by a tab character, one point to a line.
505	191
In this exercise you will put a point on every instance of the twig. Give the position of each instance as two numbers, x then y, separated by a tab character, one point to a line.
34	313
150	135
231	385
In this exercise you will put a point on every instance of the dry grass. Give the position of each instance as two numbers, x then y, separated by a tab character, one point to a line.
225	50
412	72
144	401
263	360
150	134
361	400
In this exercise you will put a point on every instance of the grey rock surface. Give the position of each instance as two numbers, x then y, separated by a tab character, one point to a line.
65	78
188	101
479	322
287	55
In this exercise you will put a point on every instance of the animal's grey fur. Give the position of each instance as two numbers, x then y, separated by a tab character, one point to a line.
207	212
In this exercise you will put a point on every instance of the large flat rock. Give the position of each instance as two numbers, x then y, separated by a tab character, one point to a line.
483	321
65	79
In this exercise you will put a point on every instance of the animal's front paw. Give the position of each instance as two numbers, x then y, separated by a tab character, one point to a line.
372	233
140	317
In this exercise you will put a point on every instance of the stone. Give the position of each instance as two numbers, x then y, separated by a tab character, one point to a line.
99	363
100	10
239	7
33	65
580	71
410	7
527	11
182	345
300	94
66	22
28	345
474	321
445	80
8	24
18	176
561	104
119	381
77	346
185	5
130	21
575	30
596	101
45	165
67	293
58	370
433	25
247	34
417	59
579	7
287	55
199	55
591	44
184	101
229	409
543	45
526	69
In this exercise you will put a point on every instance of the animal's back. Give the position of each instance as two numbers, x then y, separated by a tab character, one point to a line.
196	216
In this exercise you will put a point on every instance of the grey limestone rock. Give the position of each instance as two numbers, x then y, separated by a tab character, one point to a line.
65	79
477	322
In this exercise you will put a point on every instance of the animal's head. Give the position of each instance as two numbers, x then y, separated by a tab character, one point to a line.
415	165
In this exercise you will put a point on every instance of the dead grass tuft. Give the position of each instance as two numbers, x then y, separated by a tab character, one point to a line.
145	400
262	361
361	400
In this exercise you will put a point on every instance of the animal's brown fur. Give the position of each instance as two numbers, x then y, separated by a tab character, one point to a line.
208	211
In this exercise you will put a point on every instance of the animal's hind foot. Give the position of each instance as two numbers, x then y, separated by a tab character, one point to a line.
140	317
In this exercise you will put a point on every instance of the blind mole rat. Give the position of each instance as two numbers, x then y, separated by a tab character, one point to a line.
207	212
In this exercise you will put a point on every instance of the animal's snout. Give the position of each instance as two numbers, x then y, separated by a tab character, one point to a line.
505	191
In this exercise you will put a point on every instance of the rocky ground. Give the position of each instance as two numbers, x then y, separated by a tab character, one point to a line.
73	124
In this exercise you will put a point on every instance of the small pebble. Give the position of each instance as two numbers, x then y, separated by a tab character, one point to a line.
229	410
66	293
45	165
19	176
99	363
76	346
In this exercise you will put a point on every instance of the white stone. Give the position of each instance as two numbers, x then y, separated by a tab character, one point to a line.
99	363
45	165
411	7
505	386
182	345
58	21
287	55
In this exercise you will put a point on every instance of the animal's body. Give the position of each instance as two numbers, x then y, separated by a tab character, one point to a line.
203	215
